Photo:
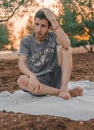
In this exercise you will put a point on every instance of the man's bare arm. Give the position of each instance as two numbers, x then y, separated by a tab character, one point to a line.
33	81
23	67
62	38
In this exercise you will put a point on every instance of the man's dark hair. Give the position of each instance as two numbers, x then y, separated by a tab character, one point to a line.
40	14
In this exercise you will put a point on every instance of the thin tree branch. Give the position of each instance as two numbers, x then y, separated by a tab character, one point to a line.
5	20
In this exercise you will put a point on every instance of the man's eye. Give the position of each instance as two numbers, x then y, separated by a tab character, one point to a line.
36	24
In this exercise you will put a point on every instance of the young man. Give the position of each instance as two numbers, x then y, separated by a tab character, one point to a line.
46	69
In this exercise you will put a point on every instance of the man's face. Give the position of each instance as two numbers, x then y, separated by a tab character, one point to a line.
41	28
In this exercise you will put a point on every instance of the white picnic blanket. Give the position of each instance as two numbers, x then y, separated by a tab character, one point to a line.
77	108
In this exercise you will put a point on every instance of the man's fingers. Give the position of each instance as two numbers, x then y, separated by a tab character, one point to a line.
34	85
29	85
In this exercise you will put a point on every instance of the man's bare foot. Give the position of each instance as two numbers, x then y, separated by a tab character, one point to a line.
65	95
77	91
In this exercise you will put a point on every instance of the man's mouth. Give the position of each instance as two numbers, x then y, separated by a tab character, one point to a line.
39	33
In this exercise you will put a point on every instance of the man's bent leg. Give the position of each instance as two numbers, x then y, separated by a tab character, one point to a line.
23	81
65	62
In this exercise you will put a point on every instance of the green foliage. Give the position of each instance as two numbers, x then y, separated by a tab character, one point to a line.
66	2
6	4
89	24
10	3
21	2
72	26
3	34
74	42
91	40
82	43
89	4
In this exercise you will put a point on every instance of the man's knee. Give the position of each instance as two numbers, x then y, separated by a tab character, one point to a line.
63	54
21	80
66	52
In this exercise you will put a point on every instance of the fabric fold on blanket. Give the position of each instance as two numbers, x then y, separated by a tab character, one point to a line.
77	108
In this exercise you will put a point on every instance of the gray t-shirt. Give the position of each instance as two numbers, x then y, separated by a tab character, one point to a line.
41	57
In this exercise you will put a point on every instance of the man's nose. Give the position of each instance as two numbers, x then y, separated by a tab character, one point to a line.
39	28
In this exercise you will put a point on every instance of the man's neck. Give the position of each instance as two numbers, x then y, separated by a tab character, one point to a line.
39	40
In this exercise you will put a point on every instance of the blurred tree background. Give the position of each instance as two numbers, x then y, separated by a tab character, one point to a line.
76	17
78	22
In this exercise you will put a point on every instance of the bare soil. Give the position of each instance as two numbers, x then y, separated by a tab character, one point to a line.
83	69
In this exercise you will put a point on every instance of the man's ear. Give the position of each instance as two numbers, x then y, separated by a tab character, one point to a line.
50	27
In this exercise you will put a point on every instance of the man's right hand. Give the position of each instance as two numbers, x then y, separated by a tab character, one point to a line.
49	14
34	83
